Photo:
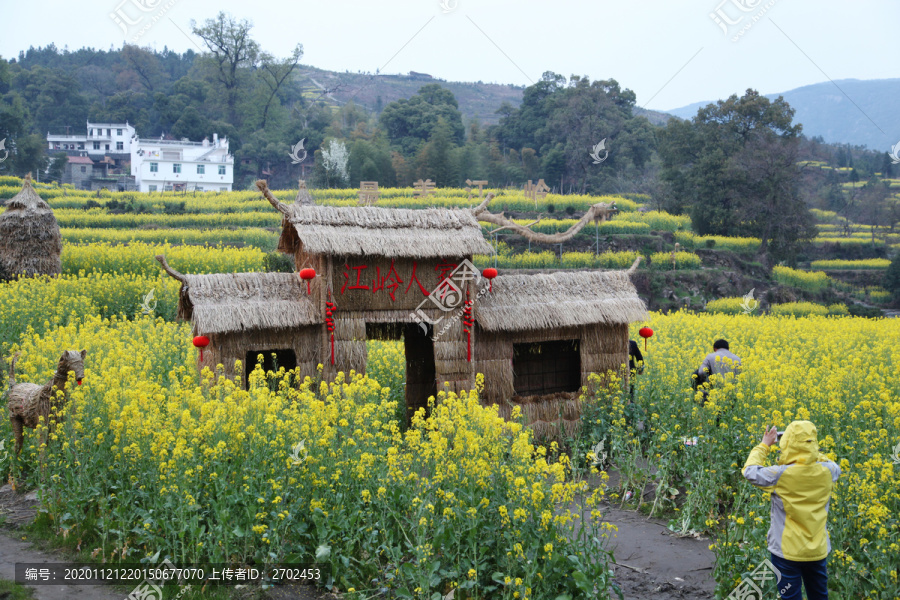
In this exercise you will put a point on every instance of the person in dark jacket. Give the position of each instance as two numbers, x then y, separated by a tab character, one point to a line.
635	363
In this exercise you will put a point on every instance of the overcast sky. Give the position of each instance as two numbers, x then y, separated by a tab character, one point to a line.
670	53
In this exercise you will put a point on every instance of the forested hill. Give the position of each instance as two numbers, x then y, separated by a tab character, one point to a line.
477	100
848	111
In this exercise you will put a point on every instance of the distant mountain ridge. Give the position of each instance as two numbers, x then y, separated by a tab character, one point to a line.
477	100
869	117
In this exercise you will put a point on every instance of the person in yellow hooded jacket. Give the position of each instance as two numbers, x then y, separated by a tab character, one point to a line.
800	486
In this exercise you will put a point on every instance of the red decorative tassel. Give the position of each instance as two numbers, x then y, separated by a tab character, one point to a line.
329	321
468	322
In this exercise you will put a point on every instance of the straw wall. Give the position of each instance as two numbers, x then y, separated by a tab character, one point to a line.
603	348
226	348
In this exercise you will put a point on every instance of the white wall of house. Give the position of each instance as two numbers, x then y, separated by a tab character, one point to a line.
168	165
99	139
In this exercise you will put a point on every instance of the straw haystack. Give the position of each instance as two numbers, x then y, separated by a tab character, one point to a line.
30	242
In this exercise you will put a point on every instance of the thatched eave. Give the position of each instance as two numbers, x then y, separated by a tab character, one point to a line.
562	299
234	302
388	232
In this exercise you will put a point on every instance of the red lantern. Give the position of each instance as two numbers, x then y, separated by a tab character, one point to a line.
645	332
489	274
307	275
201	341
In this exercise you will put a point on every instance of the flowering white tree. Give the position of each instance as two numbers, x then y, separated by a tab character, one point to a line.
335	158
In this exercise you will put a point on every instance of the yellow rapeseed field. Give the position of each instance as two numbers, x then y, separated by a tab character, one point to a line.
838	372
154	458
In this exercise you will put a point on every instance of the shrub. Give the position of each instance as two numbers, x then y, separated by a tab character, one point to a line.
734	244
657	220
732	306
892	277
838	310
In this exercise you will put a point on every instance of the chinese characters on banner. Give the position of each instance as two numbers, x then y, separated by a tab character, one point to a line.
389	281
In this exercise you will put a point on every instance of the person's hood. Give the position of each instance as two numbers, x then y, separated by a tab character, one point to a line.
799	444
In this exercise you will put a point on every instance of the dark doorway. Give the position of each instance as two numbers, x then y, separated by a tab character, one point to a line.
418	350
546	367
420	371
272	361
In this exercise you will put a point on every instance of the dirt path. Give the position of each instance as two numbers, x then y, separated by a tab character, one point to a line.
18	509
654	563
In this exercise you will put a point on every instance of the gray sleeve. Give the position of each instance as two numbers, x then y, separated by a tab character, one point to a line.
834	468
763	476
706	366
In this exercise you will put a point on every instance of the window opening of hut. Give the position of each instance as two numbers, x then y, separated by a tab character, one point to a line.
272	361
546	367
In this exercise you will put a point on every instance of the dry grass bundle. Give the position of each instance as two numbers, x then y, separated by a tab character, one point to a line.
350	351
30	242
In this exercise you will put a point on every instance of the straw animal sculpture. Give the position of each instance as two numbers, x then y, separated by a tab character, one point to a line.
599	212
28	402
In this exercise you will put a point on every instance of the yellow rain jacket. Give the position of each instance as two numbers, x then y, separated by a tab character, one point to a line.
801	489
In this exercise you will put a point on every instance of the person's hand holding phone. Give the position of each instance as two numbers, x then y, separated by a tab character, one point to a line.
770	436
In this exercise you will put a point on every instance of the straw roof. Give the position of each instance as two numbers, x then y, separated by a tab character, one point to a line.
372	231
30	241
390	232
564	299
234	302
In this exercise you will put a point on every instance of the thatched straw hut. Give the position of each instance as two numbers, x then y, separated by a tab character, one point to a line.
244	314
30	242
389	274
541	336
